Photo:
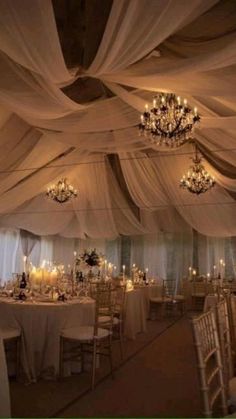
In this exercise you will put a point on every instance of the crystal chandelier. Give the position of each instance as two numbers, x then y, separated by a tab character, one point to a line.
197	180
61	192
169	122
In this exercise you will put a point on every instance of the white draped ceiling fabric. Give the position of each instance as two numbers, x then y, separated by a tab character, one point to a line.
147	46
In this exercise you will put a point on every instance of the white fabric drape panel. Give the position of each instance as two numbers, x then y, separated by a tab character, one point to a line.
39	52
46	249
63	251
9	240
166	255
122	46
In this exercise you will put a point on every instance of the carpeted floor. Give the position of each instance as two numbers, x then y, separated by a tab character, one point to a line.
157	379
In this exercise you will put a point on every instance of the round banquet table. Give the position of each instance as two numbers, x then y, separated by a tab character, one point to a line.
41	324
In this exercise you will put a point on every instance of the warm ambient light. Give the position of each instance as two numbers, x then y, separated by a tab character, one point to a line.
197	180
61	192
169	122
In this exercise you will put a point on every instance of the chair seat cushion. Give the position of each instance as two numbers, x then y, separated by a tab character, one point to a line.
9	333
199	294
179	297
107	319
160	299
84	333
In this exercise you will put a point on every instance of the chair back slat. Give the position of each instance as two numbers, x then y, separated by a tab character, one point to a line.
209	360
101	292
225	339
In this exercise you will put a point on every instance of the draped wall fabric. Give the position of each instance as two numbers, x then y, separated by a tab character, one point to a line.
151	46
9	240
166	255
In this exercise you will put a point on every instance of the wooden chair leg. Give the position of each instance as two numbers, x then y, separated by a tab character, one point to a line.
121	340
94	363
61	357
110	355
18	356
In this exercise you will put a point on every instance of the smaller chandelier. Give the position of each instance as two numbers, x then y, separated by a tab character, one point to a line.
197	180
61	192
169	122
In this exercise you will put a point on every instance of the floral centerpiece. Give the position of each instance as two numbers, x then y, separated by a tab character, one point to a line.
88	259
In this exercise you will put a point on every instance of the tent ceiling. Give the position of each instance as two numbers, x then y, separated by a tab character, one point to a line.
75	77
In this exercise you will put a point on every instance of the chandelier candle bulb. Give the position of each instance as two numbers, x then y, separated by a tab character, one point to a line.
61	192
169	122
197	180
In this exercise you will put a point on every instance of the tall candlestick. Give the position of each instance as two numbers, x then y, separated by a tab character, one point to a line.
123	267
24	263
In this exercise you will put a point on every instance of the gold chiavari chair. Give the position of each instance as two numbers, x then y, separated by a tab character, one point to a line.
222	320
209	360
199	291
176	299
94	340
118	302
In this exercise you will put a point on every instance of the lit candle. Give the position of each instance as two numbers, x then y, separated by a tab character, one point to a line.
221	267
105	267
185	102
178	100
24	263
194	272
195	111
208	275
75	253
123	267
146	107
214	271
190	272
154	103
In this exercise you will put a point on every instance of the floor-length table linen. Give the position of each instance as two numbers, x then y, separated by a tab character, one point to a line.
41	324
5	407
150	291
135	314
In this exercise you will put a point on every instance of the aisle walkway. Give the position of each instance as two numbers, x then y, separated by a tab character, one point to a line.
160	381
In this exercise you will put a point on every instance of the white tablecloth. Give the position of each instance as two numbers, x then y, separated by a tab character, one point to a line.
41	324
5	410
135	314
149	291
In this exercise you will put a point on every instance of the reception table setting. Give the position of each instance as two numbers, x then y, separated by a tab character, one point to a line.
44	300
